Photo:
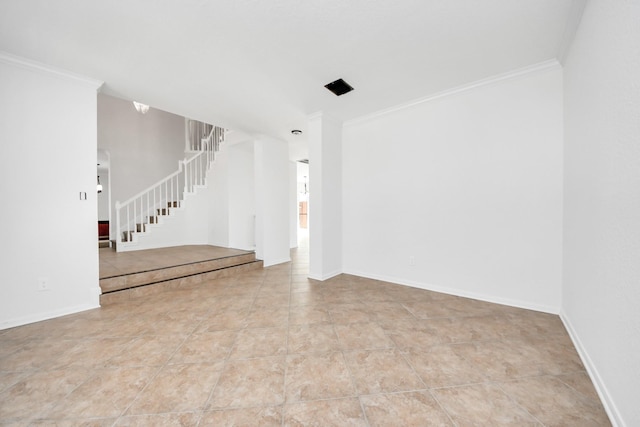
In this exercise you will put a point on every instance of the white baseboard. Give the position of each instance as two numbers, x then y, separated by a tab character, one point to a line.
461	293
32	318
596	379
275	262
323	277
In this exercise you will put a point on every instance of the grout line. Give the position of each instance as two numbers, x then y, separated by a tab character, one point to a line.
513	400
160	369
433	396
286	358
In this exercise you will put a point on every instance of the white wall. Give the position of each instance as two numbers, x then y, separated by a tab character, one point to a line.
232	197
241	196
601	289
47	157
325	197
144	148
272	200
293	205
469	185
218	189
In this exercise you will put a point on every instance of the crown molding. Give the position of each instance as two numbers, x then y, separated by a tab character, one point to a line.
514	74
40	67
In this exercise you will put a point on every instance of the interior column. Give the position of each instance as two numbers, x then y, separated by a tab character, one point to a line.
325	196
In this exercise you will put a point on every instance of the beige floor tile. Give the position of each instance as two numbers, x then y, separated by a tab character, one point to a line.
260	342
556	356
416	334
381	371
9	346
554	403
389	311
441	366
582	384
493	327
251	382
90	422
186	419
36	354
402	293
224	319
306	315
147	351
357	336
268	317
177	388
271	300
346	313
205	347
482	404
499	360
404	409
7	379
224	303
107	394
274	287
433	309
306	298
37	393
91	353
343	296
319	338
163	326
269	416
326	413
312	377
128	327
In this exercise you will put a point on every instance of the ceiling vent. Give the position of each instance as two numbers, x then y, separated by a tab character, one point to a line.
339	87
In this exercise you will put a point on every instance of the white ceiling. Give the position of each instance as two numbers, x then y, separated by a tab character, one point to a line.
259	66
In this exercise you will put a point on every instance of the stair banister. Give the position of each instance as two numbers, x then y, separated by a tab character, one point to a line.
192	171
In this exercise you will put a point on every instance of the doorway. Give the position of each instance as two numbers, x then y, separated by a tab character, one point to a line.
104	198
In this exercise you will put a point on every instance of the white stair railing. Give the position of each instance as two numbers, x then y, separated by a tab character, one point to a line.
135	214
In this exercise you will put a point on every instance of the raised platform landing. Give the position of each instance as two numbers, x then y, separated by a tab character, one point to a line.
126	275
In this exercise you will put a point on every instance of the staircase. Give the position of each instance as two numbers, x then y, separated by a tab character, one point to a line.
144	221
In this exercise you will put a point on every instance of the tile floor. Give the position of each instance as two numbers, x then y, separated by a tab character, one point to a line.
270	347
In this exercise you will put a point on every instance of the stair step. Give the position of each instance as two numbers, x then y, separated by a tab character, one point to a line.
122	288
173	204
163	211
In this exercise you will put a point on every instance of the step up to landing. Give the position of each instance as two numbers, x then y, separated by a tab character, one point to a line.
135	284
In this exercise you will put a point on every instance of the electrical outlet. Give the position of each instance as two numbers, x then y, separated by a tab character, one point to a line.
412	260
43	284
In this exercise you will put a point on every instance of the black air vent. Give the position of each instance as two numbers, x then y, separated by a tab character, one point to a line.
339	87
305	161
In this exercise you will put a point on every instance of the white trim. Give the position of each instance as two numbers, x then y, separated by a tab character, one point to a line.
461	293
276	262
29	64
520	72
12	323
324	277
596	379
